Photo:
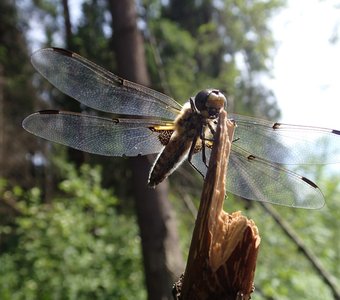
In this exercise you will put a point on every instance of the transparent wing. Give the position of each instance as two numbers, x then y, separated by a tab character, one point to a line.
286	144
97	88
257	179
111	137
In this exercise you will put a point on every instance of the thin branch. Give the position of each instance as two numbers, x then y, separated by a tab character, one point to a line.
2	120
288	230
157	56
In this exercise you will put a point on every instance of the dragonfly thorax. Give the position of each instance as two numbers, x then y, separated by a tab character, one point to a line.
210	102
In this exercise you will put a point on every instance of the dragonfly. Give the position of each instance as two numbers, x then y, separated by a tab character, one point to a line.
143	121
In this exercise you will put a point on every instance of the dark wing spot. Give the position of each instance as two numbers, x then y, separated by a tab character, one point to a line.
49	112
276	125
251	157
336	131
309	182
63	51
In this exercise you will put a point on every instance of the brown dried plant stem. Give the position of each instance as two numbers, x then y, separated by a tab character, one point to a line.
224	247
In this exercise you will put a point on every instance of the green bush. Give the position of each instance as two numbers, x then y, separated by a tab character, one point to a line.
76	247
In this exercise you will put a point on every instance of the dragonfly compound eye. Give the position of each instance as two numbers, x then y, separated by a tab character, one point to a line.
210	102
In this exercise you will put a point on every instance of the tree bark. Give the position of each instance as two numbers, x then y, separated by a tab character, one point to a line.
67	24
2	133
224	247
76	156
162	258
15	91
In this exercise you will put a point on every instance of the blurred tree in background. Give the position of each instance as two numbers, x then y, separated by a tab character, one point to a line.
16	97
70	232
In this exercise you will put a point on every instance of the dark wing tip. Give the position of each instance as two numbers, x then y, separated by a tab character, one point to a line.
318	200
336	131
62	51
53	49
49	112
311	183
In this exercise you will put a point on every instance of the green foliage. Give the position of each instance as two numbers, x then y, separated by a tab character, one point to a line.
225	45
15	68
89	38
177	48
76	247
282	270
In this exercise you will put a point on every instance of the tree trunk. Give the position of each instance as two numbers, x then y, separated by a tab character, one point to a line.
67	24
76	156
15	92
2	133
162	258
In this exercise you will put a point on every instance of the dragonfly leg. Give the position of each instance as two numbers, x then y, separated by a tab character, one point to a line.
203	139
204	157
192	148
212	129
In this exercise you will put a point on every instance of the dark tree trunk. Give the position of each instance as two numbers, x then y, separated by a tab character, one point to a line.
76	156
67	24
162	258
15	92
2	134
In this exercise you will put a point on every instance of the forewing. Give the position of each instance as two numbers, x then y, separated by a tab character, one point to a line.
110	137
257	179
287	144
97	88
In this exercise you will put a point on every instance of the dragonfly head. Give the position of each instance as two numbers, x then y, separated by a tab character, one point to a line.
210	102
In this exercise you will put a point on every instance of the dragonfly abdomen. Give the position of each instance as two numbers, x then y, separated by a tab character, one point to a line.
187	126
169	159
